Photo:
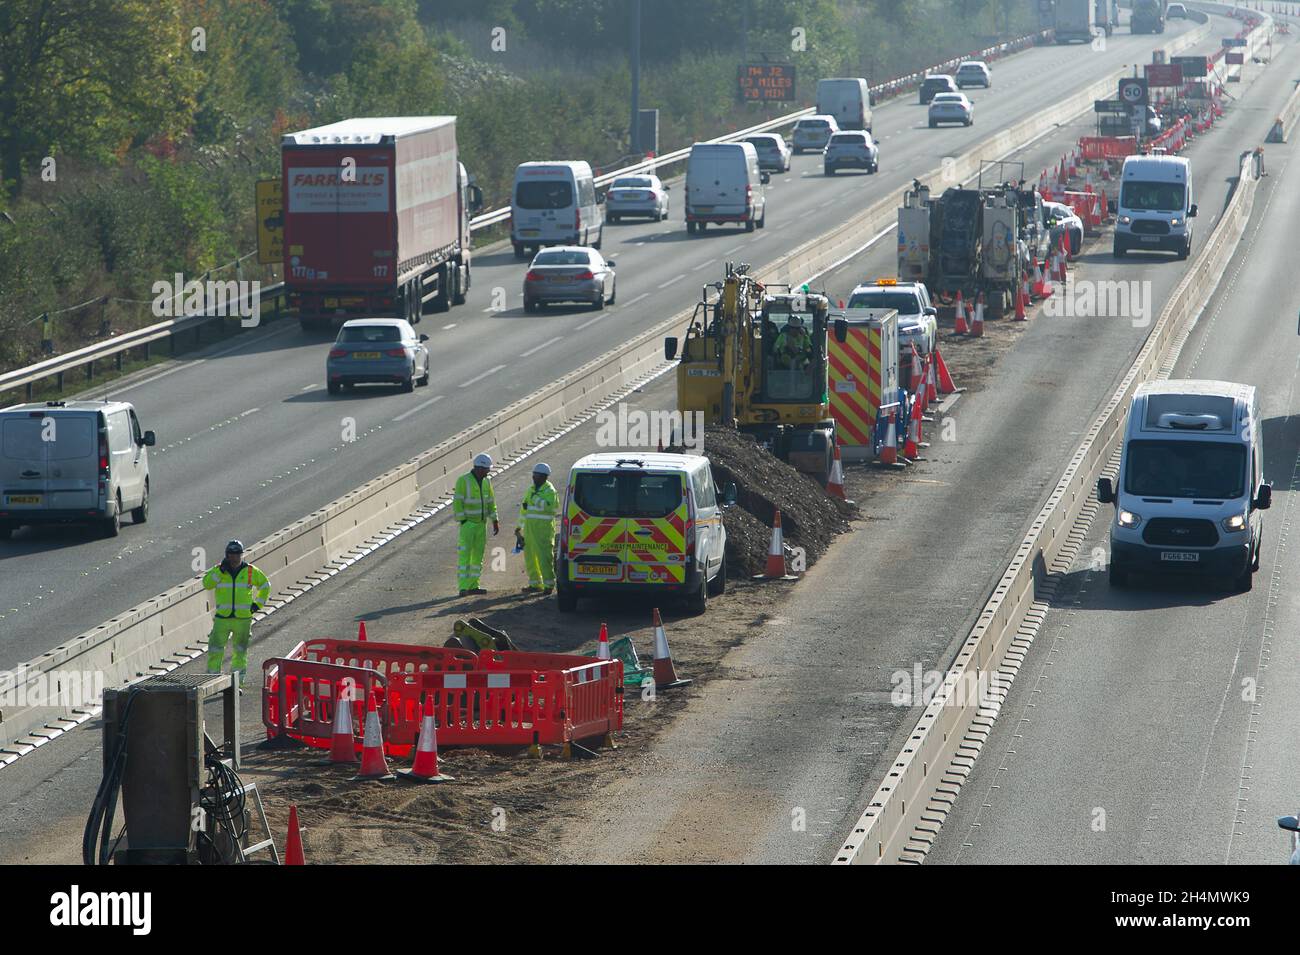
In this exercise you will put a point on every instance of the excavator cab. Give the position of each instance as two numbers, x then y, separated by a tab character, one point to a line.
793	330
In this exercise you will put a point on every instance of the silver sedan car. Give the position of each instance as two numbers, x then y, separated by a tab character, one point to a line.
636	196
951	108
569	273
377	350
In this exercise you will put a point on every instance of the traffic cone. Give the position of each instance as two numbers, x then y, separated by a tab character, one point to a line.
1022	296
946	384
835	486
666	677
931	385
889	450
916	370
960	327
361	632
293	842
343	747
911	449
1037	287
425	769
977	325
602	646
922	383
775	554
373	763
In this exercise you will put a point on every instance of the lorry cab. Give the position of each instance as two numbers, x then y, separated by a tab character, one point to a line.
1155	205
554	203
73	462
641	523
1190	490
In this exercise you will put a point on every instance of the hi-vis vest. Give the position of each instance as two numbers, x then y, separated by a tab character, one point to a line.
236	595
541	504
474	501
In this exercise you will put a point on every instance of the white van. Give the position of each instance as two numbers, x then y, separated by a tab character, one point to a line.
66	462
848	99
1190	487
1155	205
642	523
724	184
554	203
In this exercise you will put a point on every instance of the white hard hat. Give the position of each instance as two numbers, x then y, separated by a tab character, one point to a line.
483	460
542	469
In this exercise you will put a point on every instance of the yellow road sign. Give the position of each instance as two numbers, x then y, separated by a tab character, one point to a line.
270	222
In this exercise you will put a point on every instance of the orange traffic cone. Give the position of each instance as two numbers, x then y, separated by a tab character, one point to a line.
373	763
960	327
343	747
912	448
361	632
602	646
425	769
293	842
665	673
916	370
1037	287
835	486
931	386
977	324
946	384
889	450
776	554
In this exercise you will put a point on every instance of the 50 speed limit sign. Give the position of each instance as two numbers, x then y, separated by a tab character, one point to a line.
1133	91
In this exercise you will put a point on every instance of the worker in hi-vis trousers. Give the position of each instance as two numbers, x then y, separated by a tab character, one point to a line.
538	511
474	505
240	590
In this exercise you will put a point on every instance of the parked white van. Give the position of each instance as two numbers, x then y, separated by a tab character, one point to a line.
1155	205
724	184
848	99
1190	487
554	203
66	462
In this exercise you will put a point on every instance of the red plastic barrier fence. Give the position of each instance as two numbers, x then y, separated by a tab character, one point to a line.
1107	147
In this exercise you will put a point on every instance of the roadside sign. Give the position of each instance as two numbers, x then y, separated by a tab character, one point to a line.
766	82
1229	41
1164	75
1194	67
1109	106
1133	91
270	222
1234	59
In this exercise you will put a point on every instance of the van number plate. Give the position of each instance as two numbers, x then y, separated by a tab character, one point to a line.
1180	555
23	498
599	570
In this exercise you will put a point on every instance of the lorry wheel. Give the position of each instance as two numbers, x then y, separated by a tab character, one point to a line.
520	251
459	292
718	585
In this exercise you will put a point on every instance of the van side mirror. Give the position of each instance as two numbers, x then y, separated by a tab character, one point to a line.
931	310
670	348
1191	213
765	177
729	495
1105	491
841	330
424	338
1290	823
150	439
609	263
1264	497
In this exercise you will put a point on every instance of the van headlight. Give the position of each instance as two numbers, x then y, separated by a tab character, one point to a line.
1128	519
1125	220
1175	221
1234	524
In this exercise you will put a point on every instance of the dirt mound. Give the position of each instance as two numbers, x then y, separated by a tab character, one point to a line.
809	518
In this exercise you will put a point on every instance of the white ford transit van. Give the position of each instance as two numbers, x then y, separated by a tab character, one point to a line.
847	99
1155	205
554	203
73	462
1190	487
723	185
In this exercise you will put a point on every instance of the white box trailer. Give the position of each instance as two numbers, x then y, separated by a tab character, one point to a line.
863	375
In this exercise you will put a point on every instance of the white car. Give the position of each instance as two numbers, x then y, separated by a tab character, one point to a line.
1060	219
853	149
813	132
951	108
918	323
773	151
1176	11
643	196
973	73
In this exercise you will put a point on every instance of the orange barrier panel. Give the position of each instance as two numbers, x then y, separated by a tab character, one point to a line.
1107	147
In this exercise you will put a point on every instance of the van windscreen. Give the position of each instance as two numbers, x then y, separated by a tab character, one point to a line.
1212	470
627	493
544	194
905	302
1152	196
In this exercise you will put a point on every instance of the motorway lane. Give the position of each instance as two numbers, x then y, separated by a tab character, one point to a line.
253	442
1133	702
801	718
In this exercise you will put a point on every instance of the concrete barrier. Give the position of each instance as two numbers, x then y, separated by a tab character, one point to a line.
127	646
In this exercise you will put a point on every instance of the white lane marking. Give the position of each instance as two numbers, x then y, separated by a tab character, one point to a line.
250	411
537	348
675	278
634	301
477	378
591	321
308	387
734	249
420	407
702	265
763	236
454	324
199	361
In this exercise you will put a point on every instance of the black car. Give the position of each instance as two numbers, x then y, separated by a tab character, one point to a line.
936	84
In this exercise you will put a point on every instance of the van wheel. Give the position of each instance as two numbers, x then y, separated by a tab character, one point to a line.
1118	578
1185	251
333	387
698	602
1245	582
599	236
140	515
1118	251
749	224
762	221
110	526
718	585
565	601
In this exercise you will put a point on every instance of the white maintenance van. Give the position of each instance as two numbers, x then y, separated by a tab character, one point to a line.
1155	209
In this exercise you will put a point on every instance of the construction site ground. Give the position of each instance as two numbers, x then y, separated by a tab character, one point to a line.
774	749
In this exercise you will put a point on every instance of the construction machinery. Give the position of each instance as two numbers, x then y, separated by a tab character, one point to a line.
971	241
754	358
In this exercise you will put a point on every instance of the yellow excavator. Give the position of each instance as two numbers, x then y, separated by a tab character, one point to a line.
754	358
